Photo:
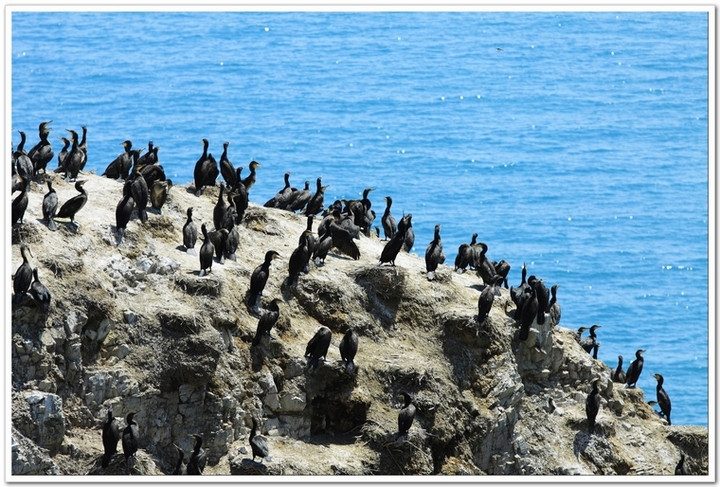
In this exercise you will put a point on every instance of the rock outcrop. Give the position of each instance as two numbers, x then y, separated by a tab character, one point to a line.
133	328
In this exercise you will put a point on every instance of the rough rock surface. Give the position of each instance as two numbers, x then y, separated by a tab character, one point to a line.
133	328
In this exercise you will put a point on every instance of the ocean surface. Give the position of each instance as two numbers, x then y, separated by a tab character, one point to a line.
576	142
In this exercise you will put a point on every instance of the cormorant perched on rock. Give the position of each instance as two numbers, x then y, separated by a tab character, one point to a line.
502	268
110	438
406	415
298	199
158	194
517	292
40	293
409	232
633	372
23	275
206	253
123	212
83	146
434	255
281	195
619	374
70	208
392	248
543	297
20	203
318	347
198	458
317	200
662	397
220	208
232	244
227	170
590	344
130	437
259	278
554	307
62	155
190	233
348	349
592	406
120	167
140	193
180	468
388	221
483	265
75	159
151	172
486	299
299	259
529	312
466	254
258	443
240	198
23	163
49	206
249	181
150	157
682	468
206	170
342	240
219	239
42	153
267	321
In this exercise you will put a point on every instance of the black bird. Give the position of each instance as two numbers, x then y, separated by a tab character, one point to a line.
75	159
20	203
206	170
219	239
633	372
190	233
258	443
348	349
249	181
317	200
130	438
484	267
590	344
151	172
318	346
62	156
395	245
180	468
120	167
592	406
486	299
409	241
206	253
259	278
517	292
619	374
110	438
406	415
529	312
554	307
267	321
140	193
49	206
434	255
299	259
232	243
22	279
198	458
123	212
298	199
83	145
502	268
40	293
343	240
662	398
543	300
281	195
150	157
227	170
240	198
70	208
42	153
220	208
158	194
23	163
466	254
388	221
682	468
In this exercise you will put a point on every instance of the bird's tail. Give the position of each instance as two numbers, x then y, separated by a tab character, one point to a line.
51	224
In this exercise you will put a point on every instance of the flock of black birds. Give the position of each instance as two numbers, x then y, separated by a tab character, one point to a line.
144	181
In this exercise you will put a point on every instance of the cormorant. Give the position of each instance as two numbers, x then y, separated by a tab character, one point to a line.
23	275
198	458
554	307
529	312
434	255
517	293
180	468
592	406
70	208
590	344
140	193
662	398
190	233
300	198
220	208
486	299
123	212
406	415
49	206
484	267
62	156
409	241
317	200
23	163
267	321
130	437
259	278
120	167
348	349
83	146
299	259
227	170
619	374
502	268
110	438
206	253
151	172
40	293
466	254
258	443
206	170
281	195
388	221
633	372
392	248
158	194
42	153
249	181
75	160
240	198
318	346
219	240
232	243
543	297
20	203
150	157
342	240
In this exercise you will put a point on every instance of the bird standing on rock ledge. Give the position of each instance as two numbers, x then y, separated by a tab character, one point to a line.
406	415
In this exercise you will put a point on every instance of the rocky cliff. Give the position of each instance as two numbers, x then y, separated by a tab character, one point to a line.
133	327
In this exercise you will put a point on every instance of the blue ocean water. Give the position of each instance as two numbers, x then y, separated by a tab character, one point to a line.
576	142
